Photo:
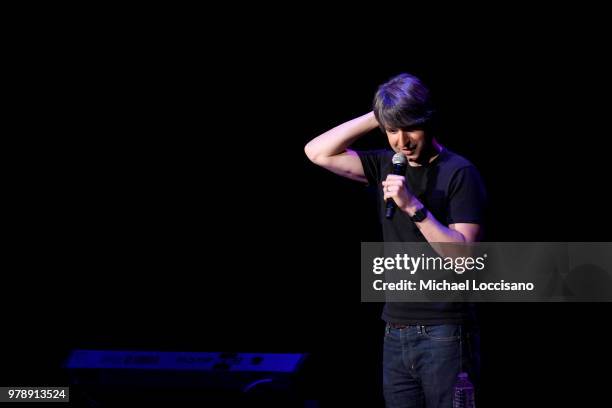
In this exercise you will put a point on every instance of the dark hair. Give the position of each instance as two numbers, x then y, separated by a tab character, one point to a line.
403	102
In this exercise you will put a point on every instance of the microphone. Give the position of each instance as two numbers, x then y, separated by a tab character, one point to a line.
399	169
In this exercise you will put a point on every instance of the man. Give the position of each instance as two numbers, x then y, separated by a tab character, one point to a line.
440	198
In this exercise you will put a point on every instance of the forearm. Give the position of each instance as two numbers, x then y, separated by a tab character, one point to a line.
432	229
335	141
394	188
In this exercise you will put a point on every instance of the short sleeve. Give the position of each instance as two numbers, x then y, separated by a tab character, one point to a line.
372	161
467	197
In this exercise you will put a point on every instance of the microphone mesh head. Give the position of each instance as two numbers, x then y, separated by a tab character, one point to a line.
399	158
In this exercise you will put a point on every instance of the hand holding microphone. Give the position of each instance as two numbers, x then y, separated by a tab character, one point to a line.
394	187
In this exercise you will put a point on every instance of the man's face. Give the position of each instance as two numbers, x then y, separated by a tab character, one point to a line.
411	142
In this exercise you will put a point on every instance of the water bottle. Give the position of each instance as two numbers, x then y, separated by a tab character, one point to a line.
463	393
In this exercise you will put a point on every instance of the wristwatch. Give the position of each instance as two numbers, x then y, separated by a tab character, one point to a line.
419	215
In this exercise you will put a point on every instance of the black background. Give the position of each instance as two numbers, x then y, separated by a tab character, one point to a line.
162	199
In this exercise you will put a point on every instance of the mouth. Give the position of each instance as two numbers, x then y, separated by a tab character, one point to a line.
408	149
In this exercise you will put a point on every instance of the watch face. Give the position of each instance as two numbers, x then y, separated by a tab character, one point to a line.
419	215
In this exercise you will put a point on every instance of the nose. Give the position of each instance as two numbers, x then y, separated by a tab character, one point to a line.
404	138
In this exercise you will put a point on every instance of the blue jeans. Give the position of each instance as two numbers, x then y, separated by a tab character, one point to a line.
421	363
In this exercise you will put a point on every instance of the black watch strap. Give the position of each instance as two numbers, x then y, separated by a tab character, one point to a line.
419	215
